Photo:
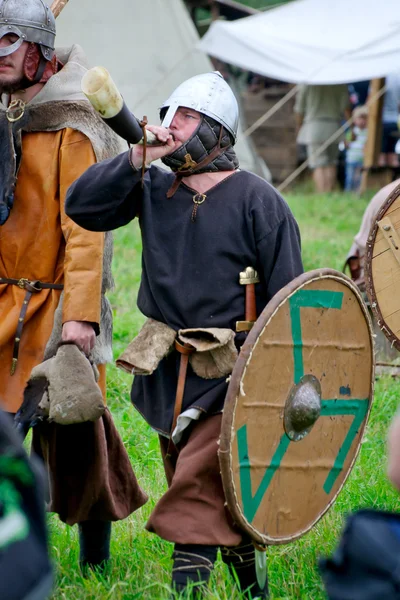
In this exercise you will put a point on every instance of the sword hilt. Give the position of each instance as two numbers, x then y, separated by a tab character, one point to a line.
249	277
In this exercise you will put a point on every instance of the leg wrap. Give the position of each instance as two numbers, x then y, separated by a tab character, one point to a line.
94	540
192	564
242	565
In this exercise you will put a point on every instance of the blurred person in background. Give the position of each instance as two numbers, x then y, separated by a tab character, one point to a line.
320	110
358	92
355	144
390	117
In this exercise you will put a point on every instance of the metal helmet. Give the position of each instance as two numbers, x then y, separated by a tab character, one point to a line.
32	21
210	95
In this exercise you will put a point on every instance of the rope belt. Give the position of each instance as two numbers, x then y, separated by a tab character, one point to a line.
185	350
31	287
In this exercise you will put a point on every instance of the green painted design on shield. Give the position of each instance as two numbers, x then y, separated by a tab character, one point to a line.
359	409
332	407
308	299
335	407
251	503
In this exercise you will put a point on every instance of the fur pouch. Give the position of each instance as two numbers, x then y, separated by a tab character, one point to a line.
143	355
215	354
71	394
214	357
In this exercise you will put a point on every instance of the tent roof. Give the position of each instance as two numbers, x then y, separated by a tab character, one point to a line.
148	48
313	41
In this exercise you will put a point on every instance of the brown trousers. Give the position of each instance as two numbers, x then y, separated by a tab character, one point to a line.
193	510
89	471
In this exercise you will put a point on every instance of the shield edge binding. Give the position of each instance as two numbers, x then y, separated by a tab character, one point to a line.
369	281
228	416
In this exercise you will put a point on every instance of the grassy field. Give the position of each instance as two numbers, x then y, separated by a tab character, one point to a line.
141	562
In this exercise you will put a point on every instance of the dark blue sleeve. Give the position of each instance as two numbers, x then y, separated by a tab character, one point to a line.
279	255
107	196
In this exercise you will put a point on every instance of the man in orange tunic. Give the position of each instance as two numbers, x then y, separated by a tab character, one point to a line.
49	135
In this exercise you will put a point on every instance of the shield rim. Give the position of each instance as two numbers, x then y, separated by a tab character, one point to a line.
369	280
227	433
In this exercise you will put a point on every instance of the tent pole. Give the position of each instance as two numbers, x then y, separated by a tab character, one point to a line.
271	111
214	9
374	137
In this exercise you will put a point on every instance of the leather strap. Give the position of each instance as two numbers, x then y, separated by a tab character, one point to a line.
36	285
185	351
31	287
143	124
215	152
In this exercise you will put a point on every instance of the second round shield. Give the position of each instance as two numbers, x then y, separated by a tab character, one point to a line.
382	268
296	407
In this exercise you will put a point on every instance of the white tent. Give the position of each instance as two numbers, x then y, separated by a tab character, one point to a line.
313	41
149	47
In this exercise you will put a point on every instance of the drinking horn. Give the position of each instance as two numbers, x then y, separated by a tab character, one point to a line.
103	94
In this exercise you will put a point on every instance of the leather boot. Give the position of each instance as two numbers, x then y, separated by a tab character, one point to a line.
94	542
242	565
192	568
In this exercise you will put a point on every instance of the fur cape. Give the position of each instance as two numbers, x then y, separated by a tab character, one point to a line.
59	105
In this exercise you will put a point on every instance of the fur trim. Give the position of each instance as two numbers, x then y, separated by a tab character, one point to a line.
143	355
214	356
53	116
78	115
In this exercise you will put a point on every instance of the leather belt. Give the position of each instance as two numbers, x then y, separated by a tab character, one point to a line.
185	351
31	287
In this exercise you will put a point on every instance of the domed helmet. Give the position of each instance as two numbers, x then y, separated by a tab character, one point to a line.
32	21
208	94
209	149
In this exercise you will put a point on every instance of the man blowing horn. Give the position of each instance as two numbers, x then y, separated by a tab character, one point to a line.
202	224
49	136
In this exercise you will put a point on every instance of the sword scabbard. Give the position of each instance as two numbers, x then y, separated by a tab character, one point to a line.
249	277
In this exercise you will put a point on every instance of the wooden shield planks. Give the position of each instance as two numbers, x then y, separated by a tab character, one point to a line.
318	325
382	268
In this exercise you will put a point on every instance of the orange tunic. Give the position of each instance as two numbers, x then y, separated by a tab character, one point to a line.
39	242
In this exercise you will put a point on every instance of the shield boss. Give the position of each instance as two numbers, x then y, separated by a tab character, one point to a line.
297	404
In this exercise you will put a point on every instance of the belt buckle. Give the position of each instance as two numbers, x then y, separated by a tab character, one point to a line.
22	282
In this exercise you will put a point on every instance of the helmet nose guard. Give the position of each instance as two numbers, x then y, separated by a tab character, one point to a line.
208	94
32	20
5	30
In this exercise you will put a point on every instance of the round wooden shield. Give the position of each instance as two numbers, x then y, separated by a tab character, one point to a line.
297	404
382	268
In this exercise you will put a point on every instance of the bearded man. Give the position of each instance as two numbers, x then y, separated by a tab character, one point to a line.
200	228
49	136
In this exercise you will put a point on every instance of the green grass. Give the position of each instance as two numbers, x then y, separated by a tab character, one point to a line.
141	562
